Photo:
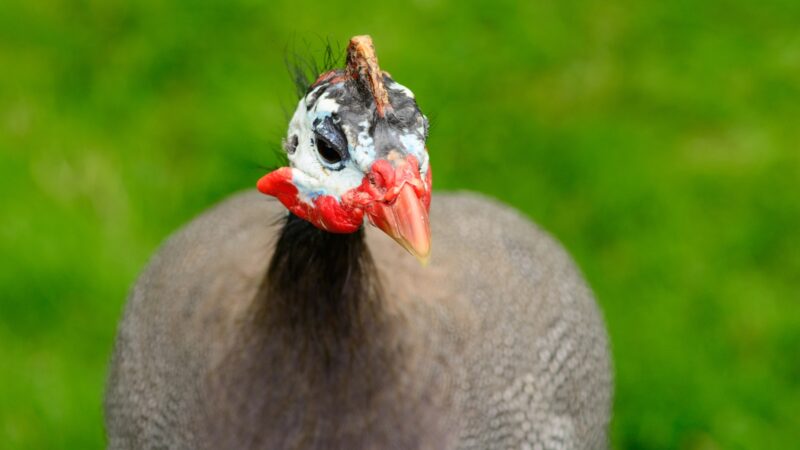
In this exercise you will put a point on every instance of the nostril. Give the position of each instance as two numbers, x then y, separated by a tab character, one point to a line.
375	180
382	174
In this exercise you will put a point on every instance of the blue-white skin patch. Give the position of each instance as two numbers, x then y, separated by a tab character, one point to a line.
404	130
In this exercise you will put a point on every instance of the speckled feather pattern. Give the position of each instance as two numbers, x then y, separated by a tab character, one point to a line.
497	344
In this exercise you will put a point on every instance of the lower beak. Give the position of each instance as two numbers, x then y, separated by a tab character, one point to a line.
406	221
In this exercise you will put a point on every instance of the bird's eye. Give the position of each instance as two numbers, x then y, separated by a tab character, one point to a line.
328	153
330	141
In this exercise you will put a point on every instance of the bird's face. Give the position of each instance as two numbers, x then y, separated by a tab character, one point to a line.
356	147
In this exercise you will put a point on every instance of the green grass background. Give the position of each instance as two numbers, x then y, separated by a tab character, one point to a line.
658	140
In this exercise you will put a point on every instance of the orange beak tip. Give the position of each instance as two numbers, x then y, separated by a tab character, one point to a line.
424	260
419	249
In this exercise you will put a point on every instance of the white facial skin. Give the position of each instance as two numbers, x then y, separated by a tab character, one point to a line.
313	176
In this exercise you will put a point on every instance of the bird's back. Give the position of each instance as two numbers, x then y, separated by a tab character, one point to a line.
502	344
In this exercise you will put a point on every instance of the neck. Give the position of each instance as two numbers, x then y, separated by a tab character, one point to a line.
317	349
326	361
321	289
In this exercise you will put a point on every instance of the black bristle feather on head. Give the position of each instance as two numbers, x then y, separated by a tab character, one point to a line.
306	66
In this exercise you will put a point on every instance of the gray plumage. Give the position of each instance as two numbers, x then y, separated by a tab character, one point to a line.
496	344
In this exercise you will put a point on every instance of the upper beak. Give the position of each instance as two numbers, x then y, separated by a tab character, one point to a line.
403	211
406	221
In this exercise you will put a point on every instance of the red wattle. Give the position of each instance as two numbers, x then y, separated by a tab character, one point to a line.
278	184
383	184
324	212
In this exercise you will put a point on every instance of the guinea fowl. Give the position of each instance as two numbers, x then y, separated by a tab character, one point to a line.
318	331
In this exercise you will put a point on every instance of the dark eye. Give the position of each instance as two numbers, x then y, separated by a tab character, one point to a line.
327	151
330	141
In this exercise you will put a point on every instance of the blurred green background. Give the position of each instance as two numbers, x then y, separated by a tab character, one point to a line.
658	140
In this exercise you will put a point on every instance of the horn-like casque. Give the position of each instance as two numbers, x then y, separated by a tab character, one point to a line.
362	65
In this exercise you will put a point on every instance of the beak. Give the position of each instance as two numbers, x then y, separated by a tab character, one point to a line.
406	221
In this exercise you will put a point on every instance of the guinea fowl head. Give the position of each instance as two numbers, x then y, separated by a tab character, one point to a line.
356	148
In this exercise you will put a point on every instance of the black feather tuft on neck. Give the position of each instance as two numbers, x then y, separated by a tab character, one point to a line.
321	288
